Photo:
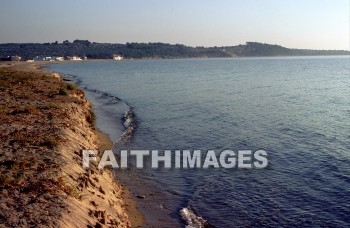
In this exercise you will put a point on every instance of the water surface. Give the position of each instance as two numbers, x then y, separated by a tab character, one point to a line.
295	108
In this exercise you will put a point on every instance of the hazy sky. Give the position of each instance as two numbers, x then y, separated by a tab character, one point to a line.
317	24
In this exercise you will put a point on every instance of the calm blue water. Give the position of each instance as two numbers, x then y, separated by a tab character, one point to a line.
297	109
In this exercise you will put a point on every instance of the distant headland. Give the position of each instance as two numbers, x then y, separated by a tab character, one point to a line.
94	50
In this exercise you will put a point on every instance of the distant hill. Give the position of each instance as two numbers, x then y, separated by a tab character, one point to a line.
151	50
260	49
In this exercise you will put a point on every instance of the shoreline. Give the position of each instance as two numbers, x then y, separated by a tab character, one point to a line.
131	206
93	198
151	199
135	216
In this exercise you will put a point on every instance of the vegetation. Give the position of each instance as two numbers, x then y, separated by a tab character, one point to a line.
91	119
63	91
150	50
33	120
71	86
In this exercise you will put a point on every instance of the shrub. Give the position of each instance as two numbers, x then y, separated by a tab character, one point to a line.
91	119
71	86
63	91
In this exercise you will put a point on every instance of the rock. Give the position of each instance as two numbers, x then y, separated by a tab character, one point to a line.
55	75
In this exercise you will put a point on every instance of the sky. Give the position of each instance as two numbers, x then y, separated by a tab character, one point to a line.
312	24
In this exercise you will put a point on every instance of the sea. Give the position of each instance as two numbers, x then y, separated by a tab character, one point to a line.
297	109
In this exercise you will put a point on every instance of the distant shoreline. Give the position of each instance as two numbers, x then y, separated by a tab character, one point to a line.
44	63
93	50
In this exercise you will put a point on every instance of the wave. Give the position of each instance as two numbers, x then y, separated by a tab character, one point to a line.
192	220
130	125
129	118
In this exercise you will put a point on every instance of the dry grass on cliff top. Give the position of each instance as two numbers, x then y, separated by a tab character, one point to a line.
32	112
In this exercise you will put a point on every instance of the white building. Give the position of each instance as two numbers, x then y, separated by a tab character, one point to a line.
59	58
74	58
43	58
118	57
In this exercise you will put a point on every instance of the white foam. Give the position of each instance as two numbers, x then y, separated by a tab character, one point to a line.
191	219
130	126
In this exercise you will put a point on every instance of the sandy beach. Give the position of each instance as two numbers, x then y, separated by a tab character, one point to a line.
45	123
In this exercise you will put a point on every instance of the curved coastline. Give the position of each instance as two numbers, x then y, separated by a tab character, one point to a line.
108	141
128	119
150	122
79	197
